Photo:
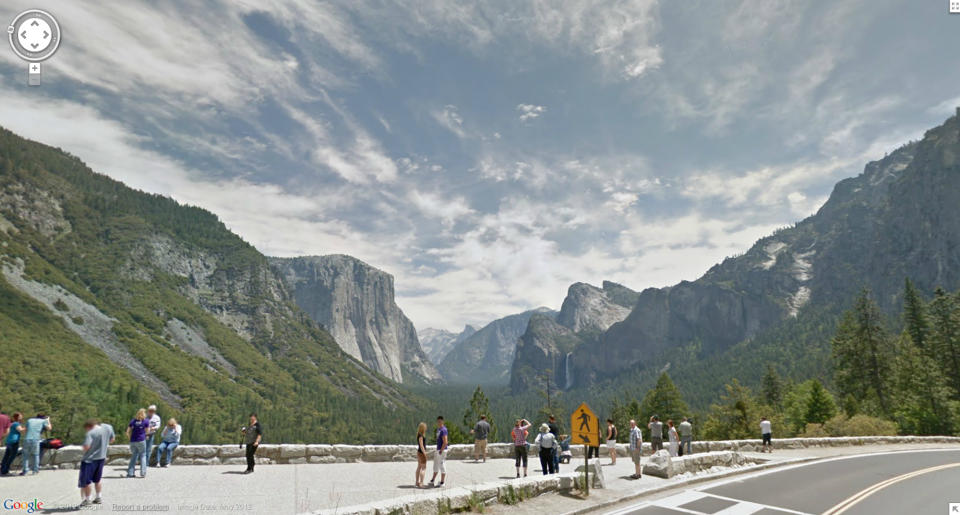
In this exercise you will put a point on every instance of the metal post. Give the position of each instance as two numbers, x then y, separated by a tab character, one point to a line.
586	469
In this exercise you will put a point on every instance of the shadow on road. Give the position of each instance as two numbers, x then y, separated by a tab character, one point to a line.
63	509
239	472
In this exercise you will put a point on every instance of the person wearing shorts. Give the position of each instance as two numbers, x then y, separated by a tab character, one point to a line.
95	445
656	433
421	454
440	458
765	433
612	441
480	433
519	434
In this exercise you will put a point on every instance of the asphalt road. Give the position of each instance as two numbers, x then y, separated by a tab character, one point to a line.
913	482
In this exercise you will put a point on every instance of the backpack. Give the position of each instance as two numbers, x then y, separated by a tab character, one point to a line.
52	443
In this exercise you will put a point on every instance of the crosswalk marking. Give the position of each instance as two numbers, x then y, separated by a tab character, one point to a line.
680	502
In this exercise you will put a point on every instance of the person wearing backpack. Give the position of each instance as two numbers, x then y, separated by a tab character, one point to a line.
612	441
547	443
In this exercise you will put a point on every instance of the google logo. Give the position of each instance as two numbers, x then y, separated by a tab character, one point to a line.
28	506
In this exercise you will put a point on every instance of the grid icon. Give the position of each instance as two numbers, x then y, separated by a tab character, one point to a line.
954	6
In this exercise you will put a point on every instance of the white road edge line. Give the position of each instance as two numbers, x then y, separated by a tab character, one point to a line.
778	508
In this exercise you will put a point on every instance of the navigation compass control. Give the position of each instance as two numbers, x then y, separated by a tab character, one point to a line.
34	37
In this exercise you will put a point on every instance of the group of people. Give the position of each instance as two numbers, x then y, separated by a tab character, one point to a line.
22	436
551	444
142	431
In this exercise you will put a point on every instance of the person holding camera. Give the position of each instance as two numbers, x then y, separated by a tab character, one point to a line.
251	438
31	432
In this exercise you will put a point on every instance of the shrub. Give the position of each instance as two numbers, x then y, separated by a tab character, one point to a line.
860	425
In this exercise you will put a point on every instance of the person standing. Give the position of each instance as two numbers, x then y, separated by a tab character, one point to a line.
12	441
440	458
656	433
95	445
686	436
594	451
137	433
480	433
555	431
547	443
5	424
674	438
636	448
30	440
169	440
765	434
421	454
155	424
612	441
519	434
252	434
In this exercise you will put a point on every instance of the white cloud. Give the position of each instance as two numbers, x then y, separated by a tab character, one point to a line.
449	118
530	111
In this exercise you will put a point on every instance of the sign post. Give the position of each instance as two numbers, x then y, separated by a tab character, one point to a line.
585	429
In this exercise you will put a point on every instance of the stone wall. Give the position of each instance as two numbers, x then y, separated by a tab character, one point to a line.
663	465
69	456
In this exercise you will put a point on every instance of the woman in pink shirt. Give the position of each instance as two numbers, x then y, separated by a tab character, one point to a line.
520	444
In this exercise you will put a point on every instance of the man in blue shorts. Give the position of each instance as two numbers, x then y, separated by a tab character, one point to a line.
95	446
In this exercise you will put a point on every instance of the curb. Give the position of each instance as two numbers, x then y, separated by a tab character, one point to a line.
688	482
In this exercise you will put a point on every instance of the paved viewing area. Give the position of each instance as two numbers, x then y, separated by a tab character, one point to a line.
335	487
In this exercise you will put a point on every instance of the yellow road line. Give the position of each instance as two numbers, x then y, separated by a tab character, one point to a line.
867	492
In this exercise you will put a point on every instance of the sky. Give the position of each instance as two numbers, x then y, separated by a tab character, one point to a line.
489	154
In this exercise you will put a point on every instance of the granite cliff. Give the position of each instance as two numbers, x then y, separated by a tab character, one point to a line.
355	303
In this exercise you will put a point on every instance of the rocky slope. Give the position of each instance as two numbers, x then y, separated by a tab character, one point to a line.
355	303
898	218
545	351
486	356
437	343
140	299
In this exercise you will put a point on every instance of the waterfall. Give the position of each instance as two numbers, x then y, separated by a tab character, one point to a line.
567	372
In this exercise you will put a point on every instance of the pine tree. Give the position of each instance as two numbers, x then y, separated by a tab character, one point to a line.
945	337
479	405
914	315
772	388
735	417
862	355
923	404
664	401
820	404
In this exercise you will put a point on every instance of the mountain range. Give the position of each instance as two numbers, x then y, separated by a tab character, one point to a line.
779	300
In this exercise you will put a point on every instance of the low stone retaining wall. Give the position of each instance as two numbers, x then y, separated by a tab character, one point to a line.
663	465
450	500
69	456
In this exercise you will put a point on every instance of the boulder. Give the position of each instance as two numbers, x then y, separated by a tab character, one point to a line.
322	459
596	473
659	465
297	461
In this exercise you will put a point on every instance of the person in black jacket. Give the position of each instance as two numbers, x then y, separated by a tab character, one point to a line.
252	435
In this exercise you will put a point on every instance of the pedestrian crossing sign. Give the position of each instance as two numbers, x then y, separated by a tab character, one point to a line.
584	427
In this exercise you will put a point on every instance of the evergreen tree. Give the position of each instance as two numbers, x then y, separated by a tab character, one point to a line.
914	315
945	337
923	405
622	413
479	405
735	417
820	405
664	401
862	355
772	388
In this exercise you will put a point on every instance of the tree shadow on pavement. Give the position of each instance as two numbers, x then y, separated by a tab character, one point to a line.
239	472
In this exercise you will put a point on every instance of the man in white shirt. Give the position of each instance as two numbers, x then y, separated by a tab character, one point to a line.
636	448
152	430
765	433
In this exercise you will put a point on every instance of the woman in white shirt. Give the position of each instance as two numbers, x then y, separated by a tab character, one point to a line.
169	440
674	438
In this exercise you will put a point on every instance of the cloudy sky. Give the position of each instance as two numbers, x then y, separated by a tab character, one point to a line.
488	154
